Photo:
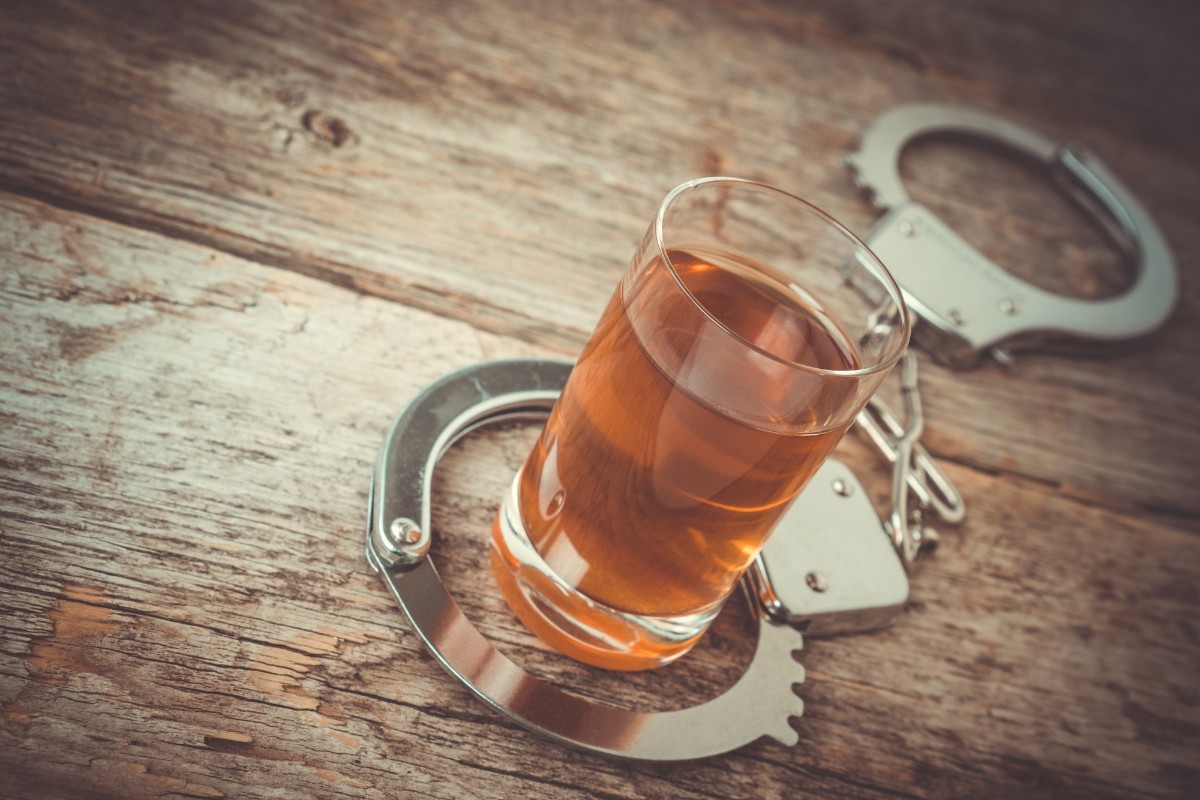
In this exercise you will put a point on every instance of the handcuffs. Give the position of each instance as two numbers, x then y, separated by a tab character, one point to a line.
969	306
832	565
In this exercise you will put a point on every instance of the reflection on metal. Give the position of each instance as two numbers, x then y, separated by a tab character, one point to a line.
828	568
760	704
969	305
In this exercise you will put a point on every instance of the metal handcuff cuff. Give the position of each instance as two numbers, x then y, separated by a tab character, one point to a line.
832	565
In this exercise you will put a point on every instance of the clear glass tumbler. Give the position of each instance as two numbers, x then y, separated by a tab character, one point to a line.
749	330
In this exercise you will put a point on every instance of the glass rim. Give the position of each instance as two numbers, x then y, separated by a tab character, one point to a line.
873	265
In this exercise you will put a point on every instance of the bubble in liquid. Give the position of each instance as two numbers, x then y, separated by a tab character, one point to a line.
556	503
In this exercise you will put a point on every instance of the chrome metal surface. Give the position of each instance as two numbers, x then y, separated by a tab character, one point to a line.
905	528
832	566
928	484
828	567
404	543
432	422
761	703
968	304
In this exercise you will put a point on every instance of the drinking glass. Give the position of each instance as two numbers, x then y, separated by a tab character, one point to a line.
748	331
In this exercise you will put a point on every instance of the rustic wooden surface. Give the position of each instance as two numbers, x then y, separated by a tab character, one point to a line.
238	236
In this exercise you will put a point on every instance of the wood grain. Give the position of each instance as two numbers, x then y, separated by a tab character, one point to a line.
498	165
191	613
237	237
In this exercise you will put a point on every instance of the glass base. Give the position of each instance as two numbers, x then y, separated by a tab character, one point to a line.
573	623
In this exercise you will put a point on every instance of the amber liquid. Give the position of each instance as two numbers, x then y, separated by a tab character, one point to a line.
650	500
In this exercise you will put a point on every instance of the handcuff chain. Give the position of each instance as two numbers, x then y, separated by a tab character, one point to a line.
914	473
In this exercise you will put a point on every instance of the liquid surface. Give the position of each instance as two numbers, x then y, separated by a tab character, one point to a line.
649	500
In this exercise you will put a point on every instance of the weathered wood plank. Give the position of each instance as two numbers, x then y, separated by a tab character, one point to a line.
186	443
1112	66
495	164
186	451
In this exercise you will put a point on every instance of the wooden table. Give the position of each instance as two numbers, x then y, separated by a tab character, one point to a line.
238	236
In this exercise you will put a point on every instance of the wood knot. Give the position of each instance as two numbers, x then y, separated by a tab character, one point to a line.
327	128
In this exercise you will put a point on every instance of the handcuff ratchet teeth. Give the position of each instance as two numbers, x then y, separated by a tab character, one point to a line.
969	305
832	565
829	567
